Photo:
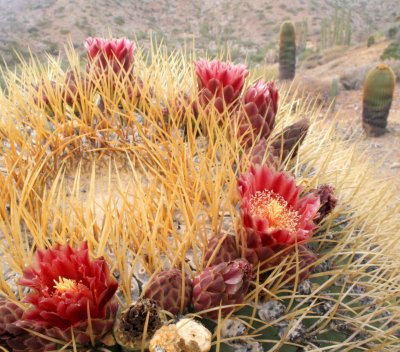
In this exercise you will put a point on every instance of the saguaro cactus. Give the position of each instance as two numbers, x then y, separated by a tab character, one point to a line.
287	51
377	99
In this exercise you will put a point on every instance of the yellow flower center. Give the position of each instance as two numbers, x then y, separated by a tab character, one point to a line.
274	208
63	285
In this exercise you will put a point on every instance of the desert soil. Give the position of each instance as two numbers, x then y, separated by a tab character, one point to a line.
348	109
347	115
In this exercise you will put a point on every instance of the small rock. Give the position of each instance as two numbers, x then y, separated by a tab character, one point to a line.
195	335
395	166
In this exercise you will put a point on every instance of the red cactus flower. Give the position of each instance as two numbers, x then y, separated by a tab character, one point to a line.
117	52
260	108
220	81
274	216
68	289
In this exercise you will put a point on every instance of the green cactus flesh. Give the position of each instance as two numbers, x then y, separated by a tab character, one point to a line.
338	309
287	51
377	99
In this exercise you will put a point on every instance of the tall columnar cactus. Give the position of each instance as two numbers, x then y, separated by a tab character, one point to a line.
287	51
377	99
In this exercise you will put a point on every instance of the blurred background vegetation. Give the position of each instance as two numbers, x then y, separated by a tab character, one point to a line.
248	28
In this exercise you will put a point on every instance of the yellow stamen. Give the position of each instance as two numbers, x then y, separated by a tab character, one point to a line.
64	284
274	208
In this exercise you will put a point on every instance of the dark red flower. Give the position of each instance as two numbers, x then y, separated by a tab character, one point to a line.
69	92
273	214
262	153
260	105
74	86
327	198
12	332
286	144
220	81
115	52
223	284
68	289
220	249
171	289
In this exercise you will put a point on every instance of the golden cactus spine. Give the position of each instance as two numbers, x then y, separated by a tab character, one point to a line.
287	51
377	99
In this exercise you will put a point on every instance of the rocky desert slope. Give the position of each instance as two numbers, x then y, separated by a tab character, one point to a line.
248	27
348	67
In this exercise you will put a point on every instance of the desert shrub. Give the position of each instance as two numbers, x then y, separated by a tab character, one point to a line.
392	51
119	20
320	89
33	30
306	54
371	41
353	78
392	32
313	61
258	56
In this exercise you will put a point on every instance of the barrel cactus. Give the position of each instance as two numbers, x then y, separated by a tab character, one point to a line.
178	204
287	51
377	99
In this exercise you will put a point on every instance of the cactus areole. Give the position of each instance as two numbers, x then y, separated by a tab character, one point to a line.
287	51
377	99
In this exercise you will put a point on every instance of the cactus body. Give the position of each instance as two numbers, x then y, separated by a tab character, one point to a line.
334	92
377	99
287	51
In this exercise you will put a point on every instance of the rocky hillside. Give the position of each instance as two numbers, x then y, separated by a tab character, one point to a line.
249	27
